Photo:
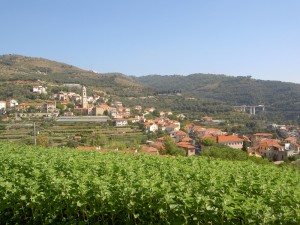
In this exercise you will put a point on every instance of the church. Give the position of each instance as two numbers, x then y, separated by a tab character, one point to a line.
85	108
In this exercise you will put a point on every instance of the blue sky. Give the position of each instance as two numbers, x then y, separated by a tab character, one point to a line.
260	38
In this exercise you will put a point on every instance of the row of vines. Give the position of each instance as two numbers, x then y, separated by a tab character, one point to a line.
51	186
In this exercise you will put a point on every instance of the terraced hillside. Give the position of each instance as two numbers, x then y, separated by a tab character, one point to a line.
60	133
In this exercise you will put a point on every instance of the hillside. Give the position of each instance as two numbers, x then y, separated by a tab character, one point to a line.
279	97
16	67
282	99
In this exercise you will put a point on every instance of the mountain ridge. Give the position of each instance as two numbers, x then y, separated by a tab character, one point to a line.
18	67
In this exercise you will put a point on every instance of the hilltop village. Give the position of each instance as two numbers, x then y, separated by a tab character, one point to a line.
159	126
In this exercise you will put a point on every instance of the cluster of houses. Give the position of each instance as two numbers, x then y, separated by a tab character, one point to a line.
83	104
79	100
29	109
259	144
186	138
274	149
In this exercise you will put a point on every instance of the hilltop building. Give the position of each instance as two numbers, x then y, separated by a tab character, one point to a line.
39	89
3	105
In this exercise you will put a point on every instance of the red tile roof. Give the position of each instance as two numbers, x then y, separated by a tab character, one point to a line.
179	132
199	128
270	143
231	138
185	145
186	139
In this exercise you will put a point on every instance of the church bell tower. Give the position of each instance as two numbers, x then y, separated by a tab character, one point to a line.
84	98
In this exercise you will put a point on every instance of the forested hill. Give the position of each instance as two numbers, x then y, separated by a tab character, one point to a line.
276	95
17	67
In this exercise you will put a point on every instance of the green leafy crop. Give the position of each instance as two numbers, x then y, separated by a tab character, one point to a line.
55	186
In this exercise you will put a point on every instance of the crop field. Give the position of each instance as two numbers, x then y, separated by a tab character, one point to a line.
51	186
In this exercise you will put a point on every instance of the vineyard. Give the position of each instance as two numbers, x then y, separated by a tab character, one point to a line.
51	186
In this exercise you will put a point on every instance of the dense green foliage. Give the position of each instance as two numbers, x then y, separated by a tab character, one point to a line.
208	142
51	186
227	153
170	148
193	108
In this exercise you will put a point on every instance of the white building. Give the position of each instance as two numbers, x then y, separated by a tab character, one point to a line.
117	104
150	127
10	103
2	105
39	89
121	122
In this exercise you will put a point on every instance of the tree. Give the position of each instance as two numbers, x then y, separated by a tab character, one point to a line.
42	140
170	148
156	113
208	142
149	116
98	140
72	144
245	146
70	105
32	109
172	117
59	106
